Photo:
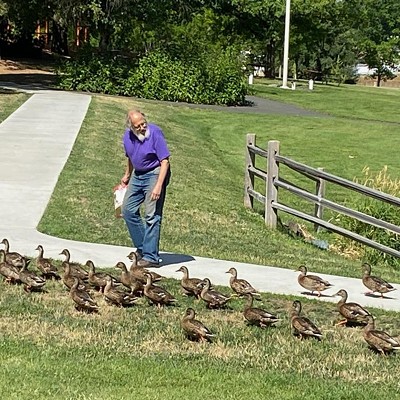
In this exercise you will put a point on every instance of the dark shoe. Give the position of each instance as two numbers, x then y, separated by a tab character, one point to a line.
138	255
147	264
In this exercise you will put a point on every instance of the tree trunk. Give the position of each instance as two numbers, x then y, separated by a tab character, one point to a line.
59	43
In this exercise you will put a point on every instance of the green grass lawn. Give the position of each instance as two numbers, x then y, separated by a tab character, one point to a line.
10	102
49	350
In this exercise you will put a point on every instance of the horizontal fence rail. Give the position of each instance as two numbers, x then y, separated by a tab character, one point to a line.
273	182
296	166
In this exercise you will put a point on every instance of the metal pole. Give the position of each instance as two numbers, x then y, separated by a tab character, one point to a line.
286	47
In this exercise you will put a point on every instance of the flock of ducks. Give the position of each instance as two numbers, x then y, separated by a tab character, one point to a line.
353	313
135	282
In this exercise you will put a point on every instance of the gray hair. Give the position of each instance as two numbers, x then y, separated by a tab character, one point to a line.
128	120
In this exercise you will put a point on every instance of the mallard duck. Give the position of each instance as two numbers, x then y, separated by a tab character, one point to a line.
139	273
31	281
76	268
128	280
156	294
352	312
190	286
302	326
374	283
240	286
379	340
9	271
312	282
68	278
13	257
194	329
46	267
257	316
212	297
83	300
117	296
97	279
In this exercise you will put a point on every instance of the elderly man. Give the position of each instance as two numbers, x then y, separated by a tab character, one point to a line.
147	176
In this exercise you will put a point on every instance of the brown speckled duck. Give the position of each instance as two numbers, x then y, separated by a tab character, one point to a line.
302	326
82	299
156	294
352	312
190	286
139	273
30	280
312	282
76	269
194	329
46	267
257	316
128	280
68	277
97	279
9	271
212	297
374	283
240	286
13	257
117	296
379	340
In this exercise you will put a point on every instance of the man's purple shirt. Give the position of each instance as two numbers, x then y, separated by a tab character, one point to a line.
148	154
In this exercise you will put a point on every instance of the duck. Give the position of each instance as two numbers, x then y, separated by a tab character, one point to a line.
9	271
76	268
156	294
352	312
240	286
46	267
312	282
139	273
194	329
212	297
82	299
97	279
190	286
135	286
302	326
13	257
379	340
117	296
374	283
257	316
30	280
68	278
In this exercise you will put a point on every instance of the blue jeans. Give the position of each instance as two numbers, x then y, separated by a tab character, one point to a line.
144	232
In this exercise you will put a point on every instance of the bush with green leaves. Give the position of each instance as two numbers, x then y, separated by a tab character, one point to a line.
376	208
92	72
215	78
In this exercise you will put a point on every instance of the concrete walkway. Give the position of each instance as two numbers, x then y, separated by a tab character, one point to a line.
36	141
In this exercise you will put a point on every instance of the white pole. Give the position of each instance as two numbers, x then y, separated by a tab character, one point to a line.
286	46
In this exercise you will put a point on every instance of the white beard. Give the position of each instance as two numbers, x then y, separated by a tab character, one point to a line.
142	137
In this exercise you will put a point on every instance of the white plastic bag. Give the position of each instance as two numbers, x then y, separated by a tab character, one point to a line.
119	194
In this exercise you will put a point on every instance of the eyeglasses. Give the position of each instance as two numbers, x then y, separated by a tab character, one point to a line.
141	125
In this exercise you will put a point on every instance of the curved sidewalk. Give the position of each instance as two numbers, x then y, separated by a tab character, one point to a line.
36	141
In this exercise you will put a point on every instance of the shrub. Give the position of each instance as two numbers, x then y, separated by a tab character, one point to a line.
212	79
383	182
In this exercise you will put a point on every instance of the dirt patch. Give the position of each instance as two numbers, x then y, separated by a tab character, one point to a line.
27	72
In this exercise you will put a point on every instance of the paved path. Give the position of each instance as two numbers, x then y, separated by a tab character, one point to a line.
36	141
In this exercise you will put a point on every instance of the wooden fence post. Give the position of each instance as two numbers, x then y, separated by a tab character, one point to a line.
249	178
320	192
271	216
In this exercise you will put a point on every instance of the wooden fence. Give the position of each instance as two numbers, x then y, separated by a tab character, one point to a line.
273	181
